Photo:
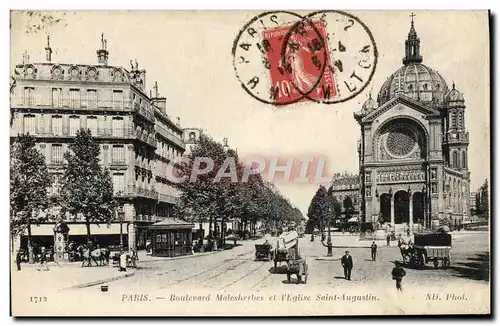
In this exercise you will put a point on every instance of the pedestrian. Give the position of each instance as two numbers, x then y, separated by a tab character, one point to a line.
19	257
374	251
43	260
408	232
347	264
388	238
397	274
123	262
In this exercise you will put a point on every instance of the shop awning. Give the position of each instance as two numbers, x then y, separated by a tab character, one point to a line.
171	223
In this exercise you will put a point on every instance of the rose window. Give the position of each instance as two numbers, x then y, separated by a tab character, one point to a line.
401	141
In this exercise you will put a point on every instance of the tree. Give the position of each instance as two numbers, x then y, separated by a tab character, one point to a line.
320	209
348	207
482	200
29	180
86	188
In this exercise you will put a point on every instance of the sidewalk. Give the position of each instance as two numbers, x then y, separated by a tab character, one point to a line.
65	276
353	241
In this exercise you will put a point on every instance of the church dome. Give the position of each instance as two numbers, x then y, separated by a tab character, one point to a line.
369	105
414	80
454	95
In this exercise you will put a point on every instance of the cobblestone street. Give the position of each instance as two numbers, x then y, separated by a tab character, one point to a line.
235	271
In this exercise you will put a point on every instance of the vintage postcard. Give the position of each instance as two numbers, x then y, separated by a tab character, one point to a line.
249	163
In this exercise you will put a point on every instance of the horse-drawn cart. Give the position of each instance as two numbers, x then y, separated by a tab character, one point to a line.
286	248
297	266
432	247
264	252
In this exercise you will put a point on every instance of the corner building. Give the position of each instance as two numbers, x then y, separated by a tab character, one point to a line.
52	101
413	149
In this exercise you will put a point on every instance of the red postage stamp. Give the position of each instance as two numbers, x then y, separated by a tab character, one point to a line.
306	77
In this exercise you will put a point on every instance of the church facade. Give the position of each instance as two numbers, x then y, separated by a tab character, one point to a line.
413	149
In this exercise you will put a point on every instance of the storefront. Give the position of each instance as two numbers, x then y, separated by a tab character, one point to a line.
172	237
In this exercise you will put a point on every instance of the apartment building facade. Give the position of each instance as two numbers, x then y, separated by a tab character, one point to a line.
52	101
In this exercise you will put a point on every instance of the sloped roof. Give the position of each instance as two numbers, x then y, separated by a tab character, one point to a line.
172	223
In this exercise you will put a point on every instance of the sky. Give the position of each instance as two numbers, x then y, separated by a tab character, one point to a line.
189	54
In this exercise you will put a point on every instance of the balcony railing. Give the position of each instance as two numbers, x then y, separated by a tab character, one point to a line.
147	113
134	191
119	133
70	103
149	139
144	165
167	198
170	136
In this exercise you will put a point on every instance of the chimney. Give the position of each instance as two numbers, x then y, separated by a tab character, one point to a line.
103	53
159	101
48	50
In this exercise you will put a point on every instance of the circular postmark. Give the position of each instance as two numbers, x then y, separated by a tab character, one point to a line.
257	57
352	56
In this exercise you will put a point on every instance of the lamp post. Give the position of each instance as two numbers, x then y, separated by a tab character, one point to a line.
121	214
329	244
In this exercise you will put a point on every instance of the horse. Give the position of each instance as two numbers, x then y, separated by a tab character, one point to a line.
406	250
99	256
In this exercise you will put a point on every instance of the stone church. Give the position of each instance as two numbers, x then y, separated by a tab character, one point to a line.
413	147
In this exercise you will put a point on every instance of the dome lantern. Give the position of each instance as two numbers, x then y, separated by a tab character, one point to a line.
414	79
412	46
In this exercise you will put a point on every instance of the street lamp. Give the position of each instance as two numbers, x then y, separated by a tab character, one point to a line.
328	245
121	214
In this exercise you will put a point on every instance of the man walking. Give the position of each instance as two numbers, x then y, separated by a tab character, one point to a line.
374	251
388	238
347	264
19	257
397	274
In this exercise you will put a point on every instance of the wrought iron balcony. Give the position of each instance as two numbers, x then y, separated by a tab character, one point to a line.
170	136
70	103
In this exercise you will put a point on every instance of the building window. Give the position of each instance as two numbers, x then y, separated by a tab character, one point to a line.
57	125
368	177
118	100
74	98
92	98
56	97
455	160
118	154
464	160
29	124
117	127
92	125
453	121
29	96
118	182
460	120
74	125
57	153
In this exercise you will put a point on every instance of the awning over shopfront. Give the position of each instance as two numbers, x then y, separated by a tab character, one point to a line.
77	229
171	223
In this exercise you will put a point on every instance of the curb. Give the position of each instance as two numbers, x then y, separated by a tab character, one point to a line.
327	258
180	257
98	282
